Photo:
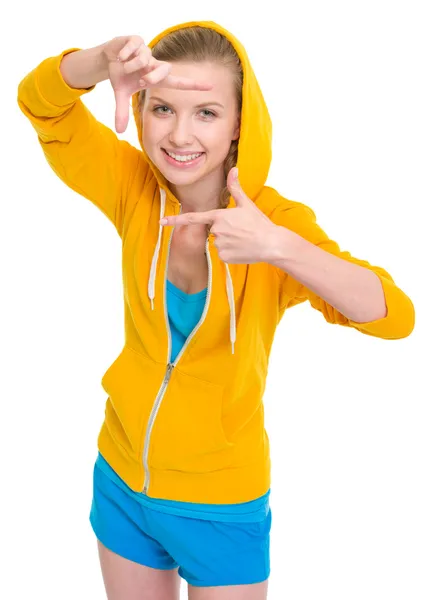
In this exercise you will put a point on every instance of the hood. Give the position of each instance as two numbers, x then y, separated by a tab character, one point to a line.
254	152
255	140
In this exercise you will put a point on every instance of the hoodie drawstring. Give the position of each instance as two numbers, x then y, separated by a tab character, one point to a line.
229	282
152	274
231	299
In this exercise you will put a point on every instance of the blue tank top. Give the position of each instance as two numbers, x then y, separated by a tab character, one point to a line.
184	312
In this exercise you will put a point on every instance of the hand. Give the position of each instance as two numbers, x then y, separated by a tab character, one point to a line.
243	234
131	67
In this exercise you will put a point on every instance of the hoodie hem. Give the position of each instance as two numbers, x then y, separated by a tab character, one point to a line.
224	486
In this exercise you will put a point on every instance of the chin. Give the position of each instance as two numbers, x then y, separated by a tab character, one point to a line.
184	177
183	180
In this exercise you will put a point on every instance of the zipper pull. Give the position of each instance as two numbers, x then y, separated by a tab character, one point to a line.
168	373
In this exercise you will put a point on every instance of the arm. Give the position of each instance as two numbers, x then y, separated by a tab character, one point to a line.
346	290
84	68
84	153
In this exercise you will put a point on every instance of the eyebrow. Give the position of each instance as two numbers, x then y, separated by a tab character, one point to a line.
197	106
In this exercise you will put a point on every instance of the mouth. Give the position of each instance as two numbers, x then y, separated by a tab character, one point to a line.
183	161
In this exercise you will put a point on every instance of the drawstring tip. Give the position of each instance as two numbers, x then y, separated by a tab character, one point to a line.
152	303
233	347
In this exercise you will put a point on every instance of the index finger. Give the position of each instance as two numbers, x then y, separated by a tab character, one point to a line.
184	83
201	218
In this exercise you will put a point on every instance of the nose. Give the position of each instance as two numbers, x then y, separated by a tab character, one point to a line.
180	134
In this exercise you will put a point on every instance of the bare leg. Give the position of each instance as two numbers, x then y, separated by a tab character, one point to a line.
255	591
128	580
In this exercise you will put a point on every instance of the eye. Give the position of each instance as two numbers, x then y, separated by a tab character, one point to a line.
162	110
210	113
157	109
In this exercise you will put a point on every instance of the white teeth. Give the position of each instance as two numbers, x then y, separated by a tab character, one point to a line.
183	158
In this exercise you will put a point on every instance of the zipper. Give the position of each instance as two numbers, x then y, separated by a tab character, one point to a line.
170	366
204	314
152	417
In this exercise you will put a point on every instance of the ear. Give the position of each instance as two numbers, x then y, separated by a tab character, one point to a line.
237	130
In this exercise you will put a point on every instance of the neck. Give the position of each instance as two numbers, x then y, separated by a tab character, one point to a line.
202	195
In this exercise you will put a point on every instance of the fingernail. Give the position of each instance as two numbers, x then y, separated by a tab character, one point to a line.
163	221
142	83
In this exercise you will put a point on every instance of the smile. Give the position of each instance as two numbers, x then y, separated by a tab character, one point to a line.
183	160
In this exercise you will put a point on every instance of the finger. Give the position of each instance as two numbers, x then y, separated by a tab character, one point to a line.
133	44
122	111
139	62
159	73
235	188
161	77
202	218
183	83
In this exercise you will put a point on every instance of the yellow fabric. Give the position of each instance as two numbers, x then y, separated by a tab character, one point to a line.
208	442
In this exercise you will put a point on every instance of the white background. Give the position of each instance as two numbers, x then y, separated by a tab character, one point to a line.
345	412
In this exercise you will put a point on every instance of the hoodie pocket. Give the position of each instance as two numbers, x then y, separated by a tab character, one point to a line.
188	432
131	382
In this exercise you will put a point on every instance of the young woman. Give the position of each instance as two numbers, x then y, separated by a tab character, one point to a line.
212	258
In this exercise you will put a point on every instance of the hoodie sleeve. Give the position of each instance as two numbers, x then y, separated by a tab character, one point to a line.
400	319
84	153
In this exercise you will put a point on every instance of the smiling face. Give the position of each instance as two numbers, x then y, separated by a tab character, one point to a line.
196	124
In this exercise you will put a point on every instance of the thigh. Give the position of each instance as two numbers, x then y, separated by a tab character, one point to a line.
128	580
213	554
255	591
135	565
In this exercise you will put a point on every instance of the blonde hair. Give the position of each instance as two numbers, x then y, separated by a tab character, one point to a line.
202	44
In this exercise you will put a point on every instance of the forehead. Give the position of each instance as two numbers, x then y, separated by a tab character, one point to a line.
218	75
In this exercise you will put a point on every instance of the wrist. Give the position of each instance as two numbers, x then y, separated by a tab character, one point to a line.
83	69
283	246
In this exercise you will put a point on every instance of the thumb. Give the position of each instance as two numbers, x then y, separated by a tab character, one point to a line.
121	111
235	188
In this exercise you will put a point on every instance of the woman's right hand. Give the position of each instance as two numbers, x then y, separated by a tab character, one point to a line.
131	67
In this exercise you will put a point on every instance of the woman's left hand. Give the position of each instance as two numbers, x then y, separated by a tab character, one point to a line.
243	234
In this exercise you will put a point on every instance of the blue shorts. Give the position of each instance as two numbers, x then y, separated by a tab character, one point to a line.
206	553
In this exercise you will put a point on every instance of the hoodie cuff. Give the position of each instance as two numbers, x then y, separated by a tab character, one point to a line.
400	319
52	86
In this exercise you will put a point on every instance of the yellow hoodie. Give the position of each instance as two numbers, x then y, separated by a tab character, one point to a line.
192	430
